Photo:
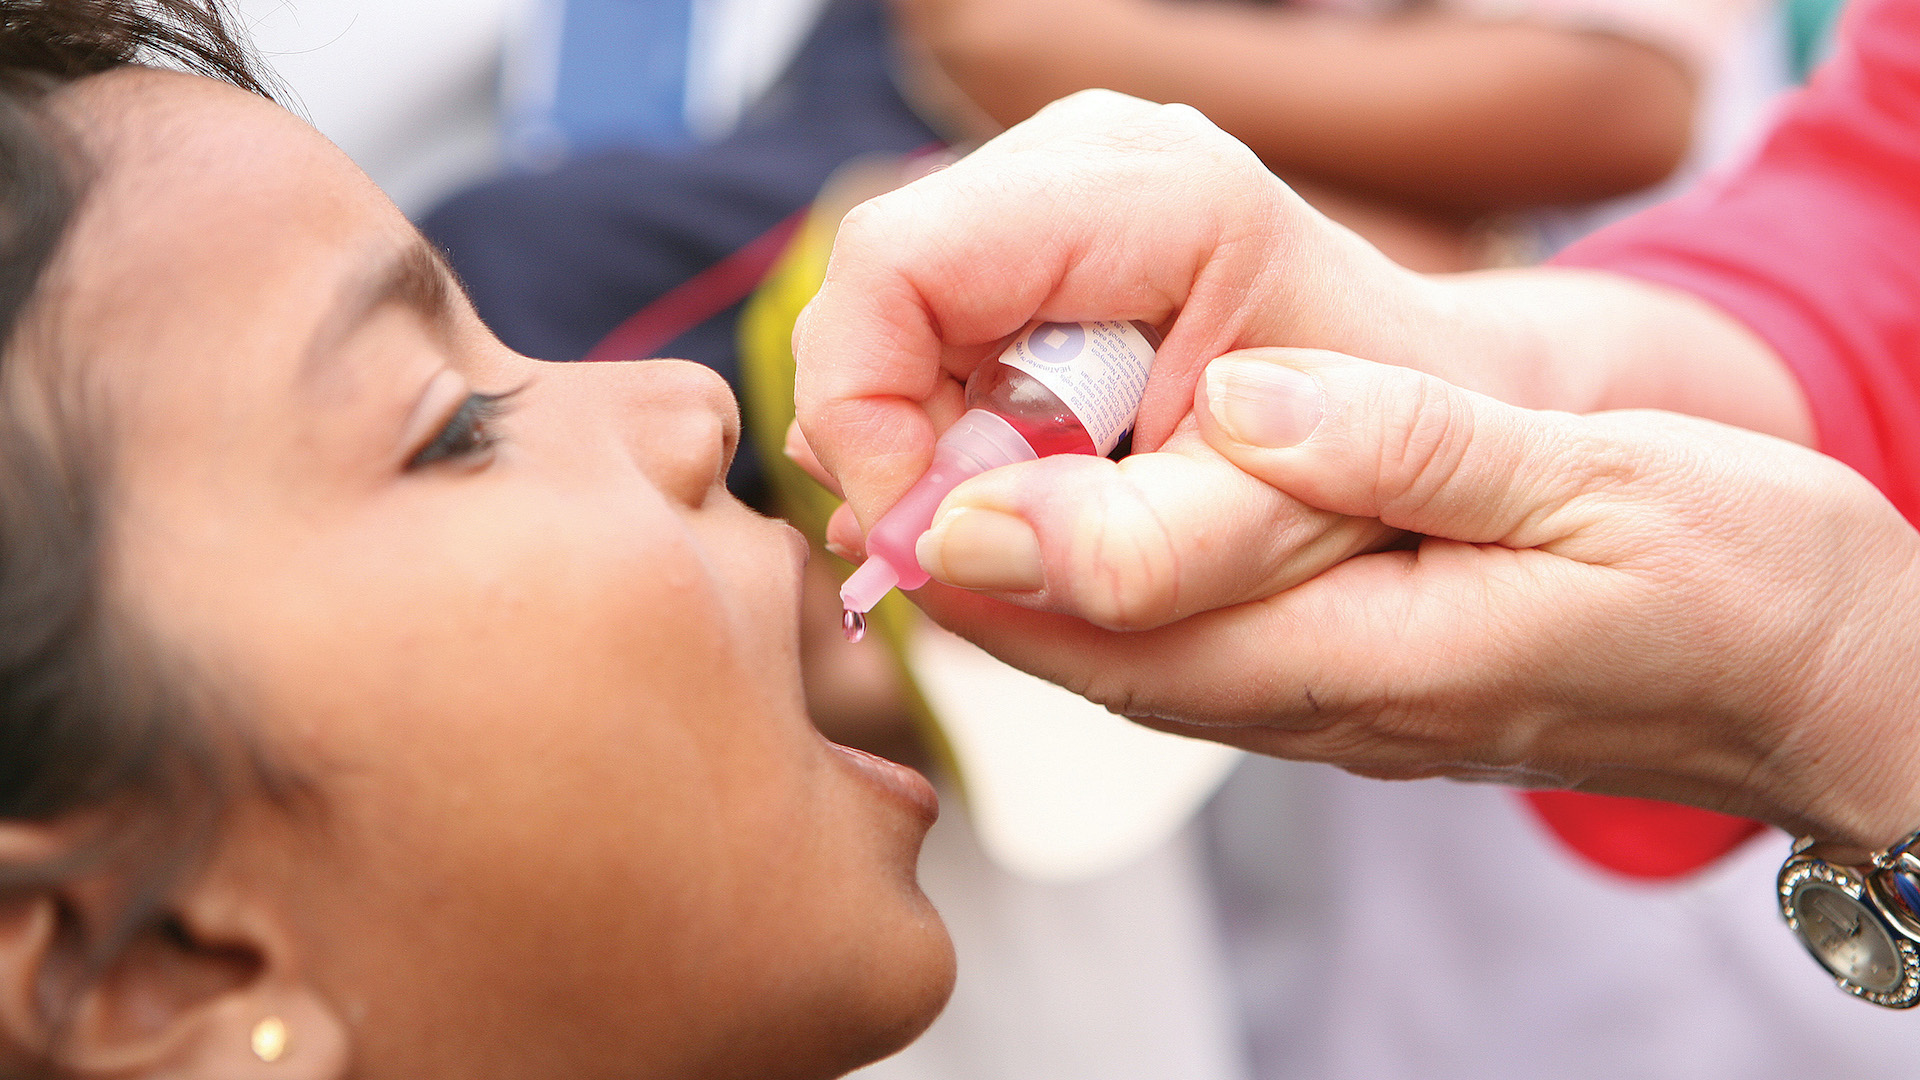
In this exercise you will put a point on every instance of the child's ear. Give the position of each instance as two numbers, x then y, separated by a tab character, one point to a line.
211	991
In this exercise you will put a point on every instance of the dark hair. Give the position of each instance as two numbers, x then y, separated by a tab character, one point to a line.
88	721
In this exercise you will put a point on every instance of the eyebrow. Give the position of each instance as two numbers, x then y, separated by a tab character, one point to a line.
413	275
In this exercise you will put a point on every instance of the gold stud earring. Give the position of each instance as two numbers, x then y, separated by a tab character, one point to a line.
270	1039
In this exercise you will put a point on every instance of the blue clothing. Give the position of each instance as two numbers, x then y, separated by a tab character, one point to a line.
555	261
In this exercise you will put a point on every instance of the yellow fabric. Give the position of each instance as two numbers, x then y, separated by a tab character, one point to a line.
766	391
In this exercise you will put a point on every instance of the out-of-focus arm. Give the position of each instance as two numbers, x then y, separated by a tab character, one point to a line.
1813	248
1445	112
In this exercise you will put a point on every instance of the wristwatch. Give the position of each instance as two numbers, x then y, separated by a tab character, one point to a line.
1860	921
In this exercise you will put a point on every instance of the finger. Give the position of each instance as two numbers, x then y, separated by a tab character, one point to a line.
1421	455
1463	679
1391	662
798	452
1137	543
1582	626
844	537
1251	665
925	281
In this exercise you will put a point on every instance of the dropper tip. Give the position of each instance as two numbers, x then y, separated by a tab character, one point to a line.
868	583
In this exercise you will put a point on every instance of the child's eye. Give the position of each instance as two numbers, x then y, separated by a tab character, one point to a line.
467	433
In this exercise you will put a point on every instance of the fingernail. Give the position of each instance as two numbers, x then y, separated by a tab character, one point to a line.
841	551
982	549
1263	404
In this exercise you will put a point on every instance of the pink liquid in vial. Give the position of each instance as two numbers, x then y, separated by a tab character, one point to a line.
1040	425
1025	402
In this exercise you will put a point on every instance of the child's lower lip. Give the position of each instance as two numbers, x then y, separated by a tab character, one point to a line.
905	785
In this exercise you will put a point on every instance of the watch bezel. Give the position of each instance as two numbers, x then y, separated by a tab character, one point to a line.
1804	869
1903	915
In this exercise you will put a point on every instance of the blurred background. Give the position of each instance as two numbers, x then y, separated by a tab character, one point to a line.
431	95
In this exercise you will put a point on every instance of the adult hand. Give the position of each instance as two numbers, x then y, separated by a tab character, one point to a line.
1633	602
1100	207
1107	207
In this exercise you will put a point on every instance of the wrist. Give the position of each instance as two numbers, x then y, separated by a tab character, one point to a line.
1851	724
1586	340
1851	888
1528	337
1469	330
1867	786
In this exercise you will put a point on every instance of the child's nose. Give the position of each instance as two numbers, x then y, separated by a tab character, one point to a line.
686	427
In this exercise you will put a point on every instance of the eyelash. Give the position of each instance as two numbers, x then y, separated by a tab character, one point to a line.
468	432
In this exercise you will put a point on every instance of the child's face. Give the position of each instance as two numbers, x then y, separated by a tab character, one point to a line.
575	820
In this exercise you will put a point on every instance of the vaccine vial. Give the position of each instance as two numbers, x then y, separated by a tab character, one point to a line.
1060	388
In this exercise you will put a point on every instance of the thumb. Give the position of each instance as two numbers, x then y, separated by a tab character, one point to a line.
1390	443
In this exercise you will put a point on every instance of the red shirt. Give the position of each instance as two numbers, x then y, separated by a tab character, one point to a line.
1815	245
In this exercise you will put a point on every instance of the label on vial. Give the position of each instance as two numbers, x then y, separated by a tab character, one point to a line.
1098	369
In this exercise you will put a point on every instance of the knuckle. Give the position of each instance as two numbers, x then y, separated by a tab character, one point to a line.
1590	471
1099	97
1185	117
867	219
1116	692
1125	592
803	323
1091	104
1599	460
1421	446
1394	740
1122	564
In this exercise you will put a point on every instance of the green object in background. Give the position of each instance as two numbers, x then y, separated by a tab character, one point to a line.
1810	27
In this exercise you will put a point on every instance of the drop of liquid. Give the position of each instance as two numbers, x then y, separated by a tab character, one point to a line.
855	624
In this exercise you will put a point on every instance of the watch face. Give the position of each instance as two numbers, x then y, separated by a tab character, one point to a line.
1846	937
